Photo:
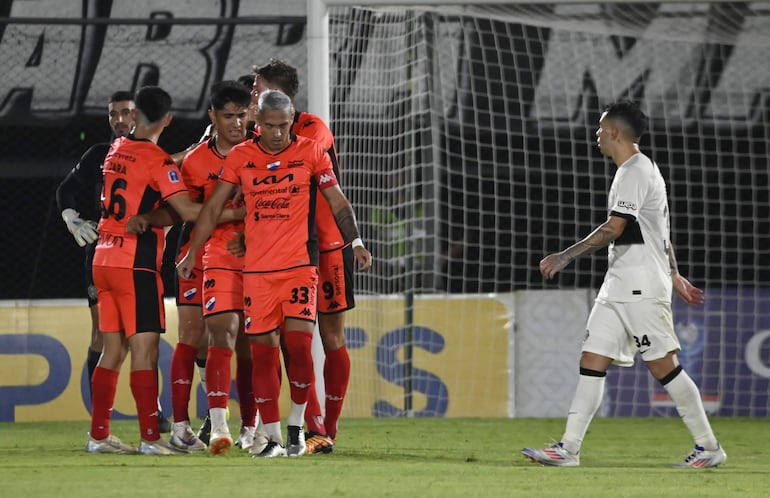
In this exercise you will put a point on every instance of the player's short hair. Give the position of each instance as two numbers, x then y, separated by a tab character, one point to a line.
280	74
224	92
275	100
247	80
153	102
630	114
120	96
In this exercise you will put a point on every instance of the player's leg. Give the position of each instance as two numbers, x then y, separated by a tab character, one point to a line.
223	328
104	381
248	408
262	321
605	343
300	313
144	318
658	347
191	332
266	384
335	297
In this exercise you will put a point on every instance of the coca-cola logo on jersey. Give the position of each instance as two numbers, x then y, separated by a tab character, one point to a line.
276	203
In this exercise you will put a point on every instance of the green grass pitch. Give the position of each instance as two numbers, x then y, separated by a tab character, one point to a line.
398	458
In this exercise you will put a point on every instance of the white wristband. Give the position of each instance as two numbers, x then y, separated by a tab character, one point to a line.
357	242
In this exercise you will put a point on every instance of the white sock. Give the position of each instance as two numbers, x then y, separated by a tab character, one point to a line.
686	397
297	414
273	431
218	418
588	397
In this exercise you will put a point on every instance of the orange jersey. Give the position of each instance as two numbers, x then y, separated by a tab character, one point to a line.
138	176
201	169
311	126
279	191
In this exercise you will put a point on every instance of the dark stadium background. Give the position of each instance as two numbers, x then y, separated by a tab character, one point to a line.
724	205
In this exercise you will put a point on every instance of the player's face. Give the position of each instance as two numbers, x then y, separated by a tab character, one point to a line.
275	127
230	123
602	135
120	117
260	85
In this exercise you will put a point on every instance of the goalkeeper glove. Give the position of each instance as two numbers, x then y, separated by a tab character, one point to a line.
84	231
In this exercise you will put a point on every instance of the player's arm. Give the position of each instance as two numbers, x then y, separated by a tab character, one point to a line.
205	224
178	157
690	294
167	216
346	222
599	238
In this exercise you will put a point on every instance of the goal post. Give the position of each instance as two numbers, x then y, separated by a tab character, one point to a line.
466	138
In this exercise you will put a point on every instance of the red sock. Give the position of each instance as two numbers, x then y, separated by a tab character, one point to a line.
144	387
314	419
265	382
182	369
218	376
245	393
104	385
300	369
336	377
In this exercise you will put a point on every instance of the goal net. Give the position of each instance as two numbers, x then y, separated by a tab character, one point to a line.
466	138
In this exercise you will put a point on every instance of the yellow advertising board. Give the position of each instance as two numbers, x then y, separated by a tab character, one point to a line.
459	360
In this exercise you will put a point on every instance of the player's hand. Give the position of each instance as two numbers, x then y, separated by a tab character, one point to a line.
185	266
691	295
237	245
553	264
137	224
84	231
363	258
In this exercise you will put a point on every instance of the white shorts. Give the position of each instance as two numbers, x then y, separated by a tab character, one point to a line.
619	330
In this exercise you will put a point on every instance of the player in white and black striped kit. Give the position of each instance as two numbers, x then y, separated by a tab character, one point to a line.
632	311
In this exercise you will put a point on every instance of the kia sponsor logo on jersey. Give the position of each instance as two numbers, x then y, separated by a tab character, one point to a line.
627	205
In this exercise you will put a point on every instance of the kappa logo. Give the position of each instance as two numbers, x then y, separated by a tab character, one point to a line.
305	312
213	176
247	301
627	204
325	178
334	305
250	165
300	385
168	162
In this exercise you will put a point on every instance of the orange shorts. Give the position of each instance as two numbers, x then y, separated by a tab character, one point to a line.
335	272
129	300
271	298
222	291
189	291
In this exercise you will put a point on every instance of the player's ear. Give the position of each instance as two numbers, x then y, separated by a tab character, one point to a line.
211	115
167	120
